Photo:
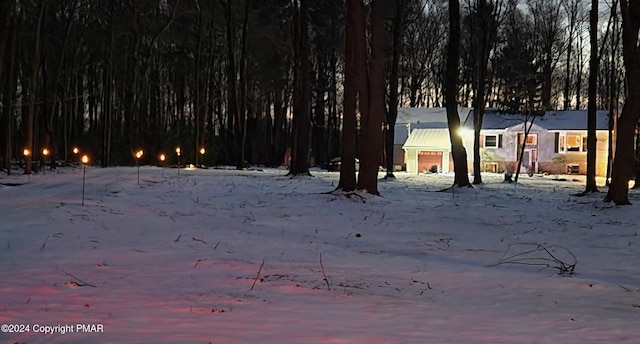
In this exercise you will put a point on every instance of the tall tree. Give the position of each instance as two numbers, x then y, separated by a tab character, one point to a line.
33	91
302	92
7	34
623	160
594	63
347	182
234	110
482	23
614	86
394	76
571	8
460	168
548	28
371	143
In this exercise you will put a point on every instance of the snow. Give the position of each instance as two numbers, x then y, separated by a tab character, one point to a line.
173	259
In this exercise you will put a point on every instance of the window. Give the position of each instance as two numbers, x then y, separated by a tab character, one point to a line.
532	139
574	143
491	167
491	141
571	143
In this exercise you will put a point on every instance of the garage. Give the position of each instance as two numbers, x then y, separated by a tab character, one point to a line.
426	148
429	161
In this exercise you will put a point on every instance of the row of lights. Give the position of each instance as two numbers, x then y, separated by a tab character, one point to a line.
163	157
139	153
45	154
85	158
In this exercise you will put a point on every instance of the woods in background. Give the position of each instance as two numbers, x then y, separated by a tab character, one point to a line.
250	80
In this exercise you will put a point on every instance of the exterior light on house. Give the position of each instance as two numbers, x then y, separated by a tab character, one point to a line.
465	132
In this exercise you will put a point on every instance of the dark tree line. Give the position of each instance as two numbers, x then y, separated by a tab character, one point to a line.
252	80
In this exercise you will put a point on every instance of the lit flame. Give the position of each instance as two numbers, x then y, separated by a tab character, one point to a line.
85	159
202	151
139	154
26	152
162	157
45	152
75	150
178	151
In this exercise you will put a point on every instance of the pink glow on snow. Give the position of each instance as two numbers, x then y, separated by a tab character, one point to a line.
173	260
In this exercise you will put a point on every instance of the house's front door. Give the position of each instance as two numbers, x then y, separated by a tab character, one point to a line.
530	160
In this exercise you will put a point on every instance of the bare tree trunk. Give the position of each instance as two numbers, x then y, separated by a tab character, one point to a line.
482	50
371	146
528	124
458	152
232	90
8	33
623	160
347	180
572	13
579	55
32	97
241	122
392	113
613	90
302	95
200	87
6	25
594	62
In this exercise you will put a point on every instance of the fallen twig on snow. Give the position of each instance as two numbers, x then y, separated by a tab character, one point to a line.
198	240
542	256
44	243
79	283
326	280
198	262
257	275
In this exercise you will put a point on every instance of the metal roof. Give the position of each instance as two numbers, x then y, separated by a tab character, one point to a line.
429	138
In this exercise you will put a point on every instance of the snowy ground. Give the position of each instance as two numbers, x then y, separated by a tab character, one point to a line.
174	259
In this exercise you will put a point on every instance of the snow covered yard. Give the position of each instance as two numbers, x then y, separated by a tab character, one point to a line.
174	259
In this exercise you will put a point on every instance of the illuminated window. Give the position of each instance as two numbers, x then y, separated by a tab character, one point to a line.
532	139
574	143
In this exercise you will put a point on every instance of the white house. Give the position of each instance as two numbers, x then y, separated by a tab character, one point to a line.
557	141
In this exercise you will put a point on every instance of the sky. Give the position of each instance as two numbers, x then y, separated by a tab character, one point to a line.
226	256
